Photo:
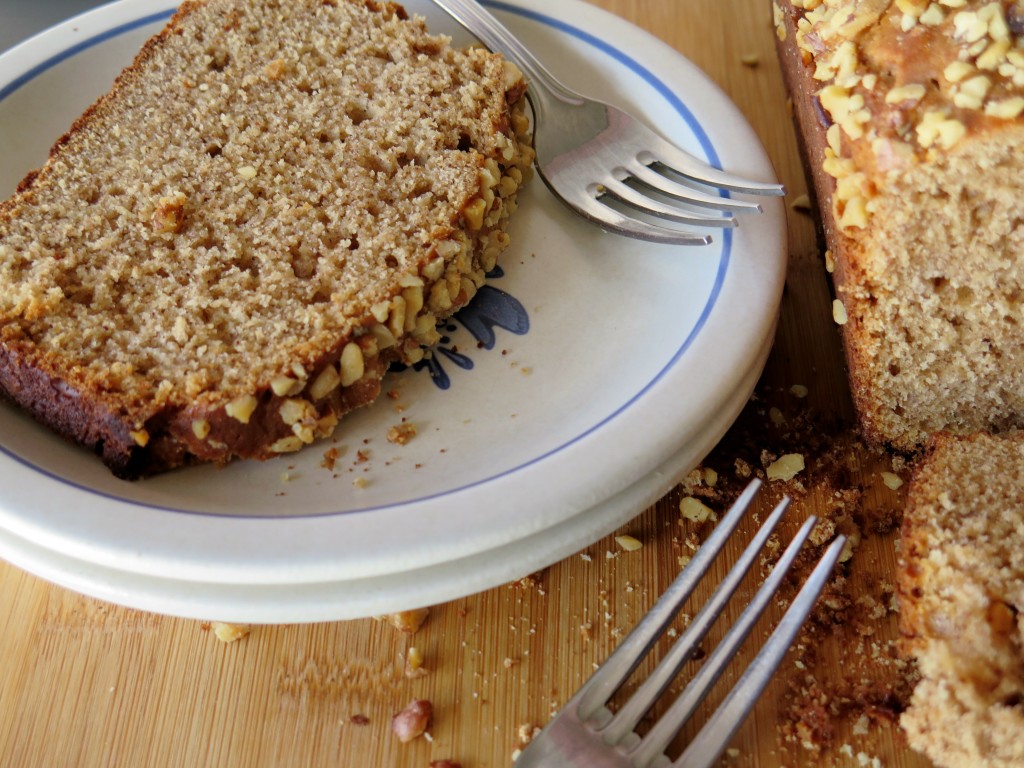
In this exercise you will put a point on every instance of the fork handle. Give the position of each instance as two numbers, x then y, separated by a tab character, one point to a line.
497	37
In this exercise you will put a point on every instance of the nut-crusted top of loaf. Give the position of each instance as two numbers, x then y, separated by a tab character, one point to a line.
905	81
962	600
255	193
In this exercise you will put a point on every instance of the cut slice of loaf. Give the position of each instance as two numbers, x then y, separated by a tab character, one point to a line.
276	200
911	115
962	595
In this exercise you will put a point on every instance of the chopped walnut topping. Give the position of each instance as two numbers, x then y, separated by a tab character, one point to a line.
401	434
1007	109
169	214
409	621
971	93
200	428
288	444
957	70
230	633
326	382
839	312
939	130
241	408
892	480
414	663
694	510
907	119
628	543
331	456
785	467
913	92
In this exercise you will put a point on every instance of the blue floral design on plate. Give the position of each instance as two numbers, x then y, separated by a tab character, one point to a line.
490	308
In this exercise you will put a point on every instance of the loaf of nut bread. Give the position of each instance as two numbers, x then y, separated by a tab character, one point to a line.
961	587
275	201
911	116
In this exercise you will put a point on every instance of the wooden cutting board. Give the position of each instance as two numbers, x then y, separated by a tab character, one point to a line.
85	683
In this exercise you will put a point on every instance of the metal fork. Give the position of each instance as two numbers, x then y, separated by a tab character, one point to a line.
607	165
586	734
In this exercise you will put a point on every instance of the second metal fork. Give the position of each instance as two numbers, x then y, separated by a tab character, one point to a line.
606	164
586	734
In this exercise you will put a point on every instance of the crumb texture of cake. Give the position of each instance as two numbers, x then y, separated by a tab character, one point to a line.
961	586
274	202
910	115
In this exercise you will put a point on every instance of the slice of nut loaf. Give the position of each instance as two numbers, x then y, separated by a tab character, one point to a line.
961	600
276	200
911	116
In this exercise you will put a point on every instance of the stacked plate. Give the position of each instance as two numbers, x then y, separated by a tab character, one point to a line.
577	389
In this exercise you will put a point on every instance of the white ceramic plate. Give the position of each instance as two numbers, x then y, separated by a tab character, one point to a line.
386	593
596	360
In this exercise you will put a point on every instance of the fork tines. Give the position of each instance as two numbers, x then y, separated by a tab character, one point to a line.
589	706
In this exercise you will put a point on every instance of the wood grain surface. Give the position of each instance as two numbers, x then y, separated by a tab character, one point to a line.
85	683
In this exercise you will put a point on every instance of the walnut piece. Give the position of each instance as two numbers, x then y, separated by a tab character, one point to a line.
413	721
409	621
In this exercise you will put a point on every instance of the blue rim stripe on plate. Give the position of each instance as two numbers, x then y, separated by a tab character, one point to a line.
77	48
605	47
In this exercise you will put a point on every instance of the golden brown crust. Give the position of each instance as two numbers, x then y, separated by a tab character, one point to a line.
812	122
175	313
